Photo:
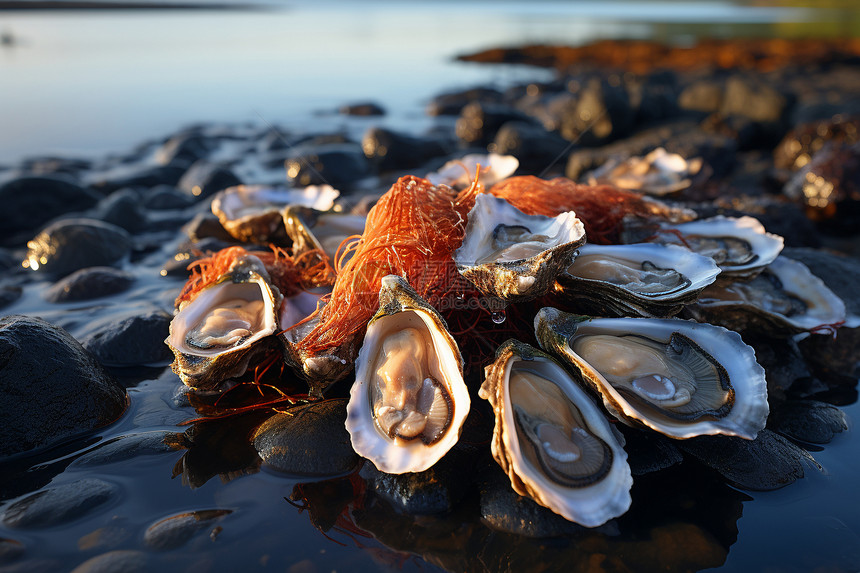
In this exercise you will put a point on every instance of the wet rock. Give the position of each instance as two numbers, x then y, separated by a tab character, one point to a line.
704	96
836	361
648	451
807	421
52	387
58	505
30	202
602	113
184	149
146	176
338	164
114	534
534	147
452	103
204	179
72	244
754	99
122	561
121	208
782	361
207	226
63	166
748	133
769	462
9	293
126	447
801	143
133	341
390	150
89	283
166	197
363	109
177	530
504	510
436	490
654	98
829	187
309	440
479	121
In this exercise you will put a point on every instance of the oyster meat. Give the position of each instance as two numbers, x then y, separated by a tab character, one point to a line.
552	441
215	335
515	256
644	279
785	299
409	402
680	378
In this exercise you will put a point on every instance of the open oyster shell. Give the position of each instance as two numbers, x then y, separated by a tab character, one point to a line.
645	279
409	402
215	335
739	245
785	299
252	213
552	441
311	229
460	172
677	377
515	256
658	173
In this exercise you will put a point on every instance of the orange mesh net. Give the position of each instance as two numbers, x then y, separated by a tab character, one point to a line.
412	232
601	208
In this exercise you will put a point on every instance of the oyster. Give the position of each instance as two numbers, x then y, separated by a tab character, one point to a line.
252	213
658	173
785	299
643	279
552	441
515	256
408	403
460	172
310	229
677	377
215	335
739	245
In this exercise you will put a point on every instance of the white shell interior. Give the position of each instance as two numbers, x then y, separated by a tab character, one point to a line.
331	229
592	505
699	270
824	307
489	212
766	245
393	455
211	298
245	201
750	409
460	172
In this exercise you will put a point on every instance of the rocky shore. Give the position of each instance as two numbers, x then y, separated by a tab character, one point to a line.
98	249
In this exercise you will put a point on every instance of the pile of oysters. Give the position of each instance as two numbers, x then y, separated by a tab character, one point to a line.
617	343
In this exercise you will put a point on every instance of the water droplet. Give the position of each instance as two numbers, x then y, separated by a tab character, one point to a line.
498	316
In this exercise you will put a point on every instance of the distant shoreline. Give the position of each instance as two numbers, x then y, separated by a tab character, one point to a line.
9	5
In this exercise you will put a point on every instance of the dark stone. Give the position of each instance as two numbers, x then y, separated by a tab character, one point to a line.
807	421
58	505
204	179
704	96
120	561
655	98
782	361
390	150
649	451
30	202
364	109
207	226
535	147
183	149
452	103
801	143
769	462
177	530
146	176
338	164
836	361
479	121
72	244
165	197
89	283
133	341
126	447
505	510
748	97
9	293
748	133
602	113
63	166
436	490
52	387
123	209
308	440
